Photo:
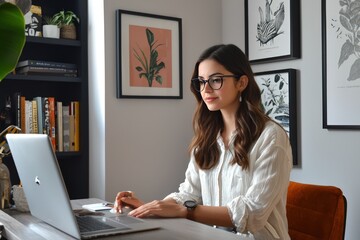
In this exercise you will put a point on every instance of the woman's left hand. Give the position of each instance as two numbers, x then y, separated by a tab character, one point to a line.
160	208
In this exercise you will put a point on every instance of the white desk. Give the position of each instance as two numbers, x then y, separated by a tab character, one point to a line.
24	226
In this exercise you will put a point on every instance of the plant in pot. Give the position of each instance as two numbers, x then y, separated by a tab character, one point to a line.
51	27
66	20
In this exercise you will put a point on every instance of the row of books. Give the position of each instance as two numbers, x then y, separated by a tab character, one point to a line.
46	115
49	68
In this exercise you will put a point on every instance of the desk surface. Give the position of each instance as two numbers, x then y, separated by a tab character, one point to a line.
24	226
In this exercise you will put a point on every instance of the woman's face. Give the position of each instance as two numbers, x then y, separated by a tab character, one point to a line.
227	97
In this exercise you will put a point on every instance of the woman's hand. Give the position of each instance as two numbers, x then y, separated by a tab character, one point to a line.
124	199
160	208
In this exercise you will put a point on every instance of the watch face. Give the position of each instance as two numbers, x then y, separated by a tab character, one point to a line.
190	204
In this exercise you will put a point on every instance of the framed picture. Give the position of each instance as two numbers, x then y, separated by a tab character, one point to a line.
272	30
341	64
278	96
148	56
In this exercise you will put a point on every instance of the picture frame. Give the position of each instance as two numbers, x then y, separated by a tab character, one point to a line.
272	30
340	65
278	97
148	56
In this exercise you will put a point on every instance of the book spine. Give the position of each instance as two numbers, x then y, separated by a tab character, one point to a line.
46	111
66	128
52	121
40	63
72	126
76	126
40	114
22	114
17	108
59	126
28	69
35	128
28	116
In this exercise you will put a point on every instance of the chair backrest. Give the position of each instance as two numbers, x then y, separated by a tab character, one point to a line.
315	212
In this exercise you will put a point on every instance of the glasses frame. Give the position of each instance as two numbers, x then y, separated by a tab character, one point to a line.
198	81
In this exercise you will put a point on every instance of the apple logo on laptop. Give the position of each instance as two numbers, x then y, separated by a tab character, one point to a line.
37	180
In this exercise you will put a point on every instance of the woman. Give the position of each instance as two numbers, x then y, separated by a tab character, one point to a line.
241	160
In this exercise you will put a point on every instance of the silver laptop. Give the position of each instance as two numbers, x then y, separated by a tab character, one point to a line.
47	196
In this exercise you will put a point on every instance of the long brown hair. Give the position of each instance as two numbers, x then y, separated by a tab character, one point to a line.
250	117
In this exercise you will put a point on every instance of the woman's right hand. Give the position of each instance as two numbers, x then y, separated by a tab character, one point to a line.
124	199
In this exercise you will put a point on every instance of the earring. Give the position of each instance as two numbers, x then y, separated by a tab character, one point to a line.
240	98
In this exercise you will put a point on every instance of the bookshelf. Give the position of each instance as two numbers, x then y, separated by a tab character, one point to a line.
74	165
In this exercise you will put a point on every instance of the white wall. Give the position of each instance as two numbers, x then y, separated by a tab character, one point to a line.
142	144
96	99
327	157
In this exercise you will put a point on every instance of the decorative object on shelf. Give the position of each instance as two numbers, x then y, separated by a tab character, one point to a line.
12	38
66	20
33	21
273	34
341	64
278	96
4	171
51	28
149	56
32	16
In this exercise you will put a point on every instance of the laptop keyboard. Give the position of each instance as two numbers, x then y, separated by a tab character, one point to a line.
89	224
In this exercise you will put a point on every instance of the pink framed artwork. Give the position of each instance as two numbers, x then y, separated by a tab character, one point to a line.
149	59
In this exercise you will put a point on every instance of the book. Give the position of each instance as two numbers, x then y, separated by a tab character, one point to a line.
41	63
40	114
17	108
23	114
66	128
52	134
76	126
46	118
28	116
59	126
47	71
35	126
72	128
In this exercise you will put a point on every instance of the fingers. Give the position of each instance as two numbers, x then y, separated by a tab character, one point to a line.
119	203
154	208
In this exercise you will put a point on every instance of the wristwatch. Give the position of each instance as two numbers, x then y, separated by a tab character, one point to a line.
190	205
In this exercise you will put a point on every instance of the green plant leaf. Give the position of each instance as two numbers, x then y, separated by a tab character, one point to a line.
159	79
12	40
150	36
65	18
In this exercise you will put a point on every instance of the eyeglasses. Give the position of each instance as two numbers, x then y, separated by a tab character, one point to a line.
215	82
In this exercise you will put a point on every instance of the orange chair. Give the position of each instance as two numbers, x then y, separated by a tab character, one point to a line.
316	212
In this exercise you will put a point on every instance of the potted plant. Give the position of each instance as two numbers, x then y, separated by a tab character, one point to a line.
51	28
12	40
66	20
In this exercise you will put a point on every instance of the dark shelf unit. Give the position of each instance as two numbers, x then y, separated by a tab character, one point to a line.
74	165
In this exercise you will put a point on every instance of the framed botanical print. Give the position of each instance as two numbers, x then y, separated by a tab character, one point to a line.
272	30
341	64
149	58
278	97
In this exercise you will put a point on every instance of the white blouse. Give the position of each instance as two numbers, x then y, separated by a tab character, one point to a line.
256	197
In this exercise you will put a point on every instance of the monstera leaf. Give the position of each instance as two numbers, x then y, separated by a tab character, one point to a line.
12	40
